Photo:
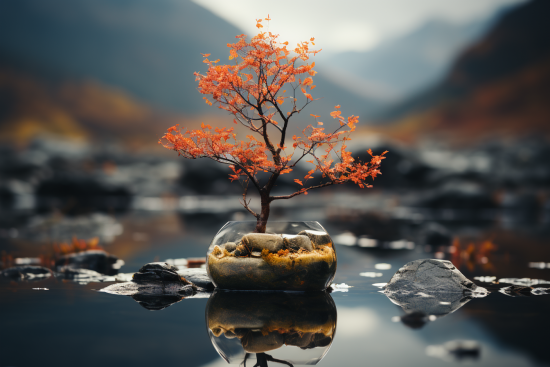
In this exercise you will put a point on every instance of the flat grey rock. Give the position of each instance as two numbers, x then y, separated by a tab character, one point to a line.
149	289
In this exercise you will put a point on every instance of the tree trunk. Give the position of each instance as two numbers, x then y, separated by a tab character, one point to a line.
261	222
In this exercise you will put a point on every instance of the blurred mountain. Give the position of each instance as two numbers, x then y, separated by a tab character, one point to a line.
149	49
404	65
85	110
500	84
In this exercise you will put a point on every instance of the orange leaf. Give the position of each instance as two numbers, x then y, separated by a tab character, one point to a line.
299	182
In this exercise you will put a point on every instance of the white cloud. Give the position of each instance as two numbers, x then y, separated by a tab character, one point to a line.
345	24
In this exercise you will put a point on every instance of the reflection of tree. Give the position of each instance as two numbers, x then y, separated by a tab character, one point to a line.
262	359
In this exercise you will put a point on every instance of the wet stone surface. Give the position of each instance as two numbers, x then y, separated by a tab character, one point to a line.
431	275
25	272
158	271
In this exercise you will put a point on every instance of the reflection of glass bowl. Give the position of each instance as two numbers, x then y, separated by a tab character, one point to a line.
293	327
235	263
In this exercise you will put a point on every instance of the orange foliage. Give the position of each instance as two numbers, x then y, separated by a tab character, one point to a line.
77	245
253	90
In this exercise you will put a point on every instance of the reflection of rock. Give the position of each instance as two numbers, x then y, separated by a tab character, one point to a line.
259	322
428	289
155	303
455	351
97	260
26	272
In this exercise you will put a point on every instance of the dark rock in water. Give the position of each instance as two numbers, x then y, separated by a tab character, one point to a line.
97	260
26	272
197	276
159	271
158	285
150	289
429	289
155	303
434	276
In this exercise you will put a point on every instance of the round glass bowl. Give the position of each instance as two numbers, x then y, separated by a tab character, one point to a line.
292	256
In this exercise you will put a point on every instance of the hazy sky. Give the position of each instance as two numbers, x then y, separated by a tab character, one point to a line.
342	25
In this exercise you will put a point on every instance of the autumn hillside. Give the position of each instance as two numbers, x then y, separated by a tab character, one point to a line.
500	85
31	106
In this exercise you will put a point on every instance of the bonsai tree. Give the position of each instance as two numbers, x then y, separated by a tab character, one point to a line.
261	89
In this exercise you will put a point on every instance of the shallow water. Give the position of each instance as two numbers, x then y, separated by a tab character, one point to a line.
72	324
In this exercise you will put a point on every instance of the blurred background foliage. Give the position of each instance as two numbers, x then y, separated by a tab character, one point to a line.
88	87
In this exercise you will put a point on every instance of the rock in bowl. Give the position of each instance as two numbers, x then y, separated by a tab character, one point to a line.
296	256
